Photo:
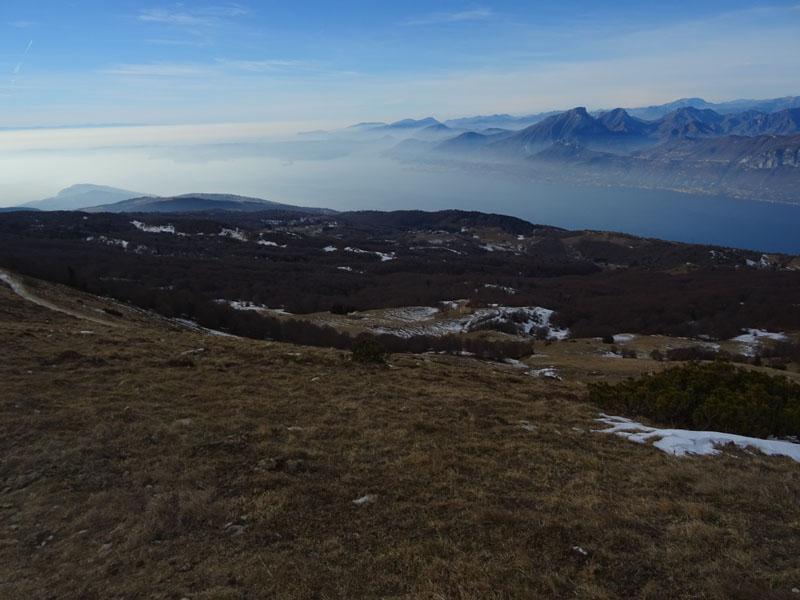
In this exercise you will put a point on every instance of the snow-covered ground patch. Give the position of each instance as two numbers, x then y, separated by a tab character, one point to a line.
753	335
549	372
763	263
246	305
269	243
529	320
365	499
110	241
623	337
506	289
681	442
235	234
490	247
424	320
515	363
753	339
384	256
242	304
153	228
329	249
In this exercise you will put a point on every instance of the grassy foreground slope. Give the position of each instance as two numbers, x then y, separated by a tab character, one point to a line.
135	464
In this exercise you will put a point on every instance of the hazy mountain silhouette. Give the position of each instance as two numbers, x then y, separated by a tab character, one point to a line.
83	194
200	202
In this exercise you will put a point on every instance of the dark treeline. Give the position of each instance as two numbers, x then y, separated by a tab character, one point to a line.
599	284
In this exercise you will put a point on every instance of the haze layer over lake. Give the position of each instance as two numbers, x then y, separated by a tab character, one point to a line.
247	161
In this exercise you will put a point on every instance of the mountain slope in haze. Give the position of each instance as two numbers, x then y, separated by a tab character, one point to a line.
503	121
620	121
783	122
200	202
723	108
82	195
738	152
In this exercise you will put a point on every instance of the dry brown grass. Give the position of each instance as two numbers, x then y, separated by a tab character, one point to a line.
133	469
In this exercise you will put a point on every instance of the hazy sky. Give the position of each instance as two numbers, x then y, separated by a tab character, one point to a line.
91	61
190	74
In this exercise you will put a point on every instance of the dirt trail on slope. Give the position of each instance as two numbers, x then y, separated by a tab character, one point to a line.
19	288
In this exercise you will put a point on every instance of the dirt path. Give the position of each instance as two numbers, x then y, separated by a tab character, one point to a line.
18	288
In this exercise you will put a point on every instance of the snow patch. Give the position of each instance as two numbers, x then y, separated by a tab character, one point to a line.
236	234
763	263
365	499
384	256
329	249
549	372
681	442
753	338
527	320
110	241
506	289
515	363
153	228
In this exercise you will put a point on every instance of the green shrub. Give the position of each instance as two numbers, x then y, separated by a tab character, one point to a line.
366	350
716	396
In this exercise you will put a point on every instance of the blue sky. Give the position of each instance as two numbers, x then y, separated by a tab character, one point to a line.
85	62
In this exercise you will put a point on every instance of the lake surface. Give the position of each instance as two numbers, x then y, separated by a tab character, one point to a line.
387	185
363	180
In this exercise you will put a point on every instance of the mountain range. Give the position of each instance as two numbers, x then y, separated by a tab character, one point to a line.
752	150
618	131
646	113
753	153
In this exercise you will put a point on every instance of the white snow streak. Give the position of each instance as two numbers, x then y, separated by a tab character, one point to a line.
681	442
153	228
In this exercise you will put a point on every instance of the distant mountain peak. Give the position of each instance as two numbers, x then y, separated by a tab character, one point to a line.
426	122
83	194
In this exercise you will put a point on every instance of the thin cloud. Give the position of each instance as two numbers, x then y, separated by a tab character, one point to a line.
205	16
158	70
478	14
22	24
264	66
18	68
169	42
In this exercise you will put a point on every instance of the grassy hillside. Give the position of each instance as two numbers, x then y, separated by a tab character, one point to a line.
139	459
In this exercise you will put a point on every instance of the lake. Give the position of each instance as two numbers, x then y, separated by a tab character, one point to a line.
349	184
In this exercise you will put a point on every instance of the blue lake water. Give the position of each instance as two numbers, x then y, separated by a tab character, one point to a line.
387	185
